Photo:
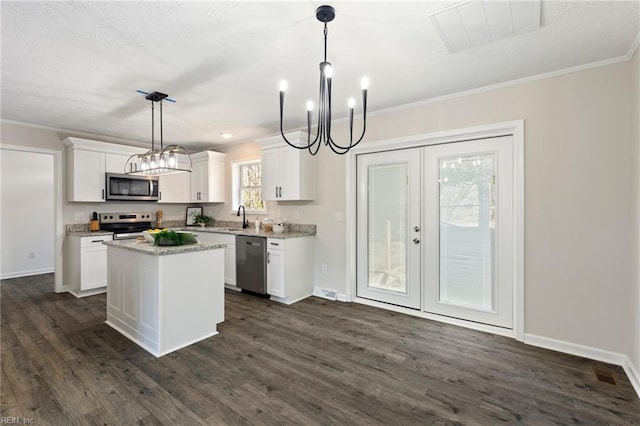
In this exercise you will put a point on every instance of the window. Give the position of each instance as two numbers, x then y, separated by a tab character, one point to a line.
247	186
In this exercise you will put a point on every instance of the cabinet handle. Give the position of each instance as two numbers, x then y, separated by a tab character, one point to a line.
103	194
276	192
97	241
159	195
268	257
275	244
280	191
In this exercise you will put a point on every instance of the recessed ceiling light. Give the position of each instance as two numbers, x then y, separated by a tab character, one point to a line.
225	135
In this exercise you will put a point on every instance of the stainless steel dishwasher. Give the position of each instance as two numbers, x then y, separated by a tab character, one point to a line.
251	264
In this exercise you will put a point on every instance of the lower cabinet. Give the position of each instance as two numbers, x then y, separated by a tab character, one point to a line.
229	252
289	269
86	264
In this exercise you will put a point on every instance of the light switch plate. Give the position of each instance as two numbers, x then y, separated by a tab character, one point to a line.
79	217
339	216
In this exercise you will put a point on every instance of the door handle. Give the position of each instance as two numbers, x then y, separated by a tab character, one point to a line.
416	241
416	228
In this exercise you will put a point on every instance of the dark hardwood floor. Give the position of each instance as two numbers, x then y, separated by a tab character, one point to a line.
315	362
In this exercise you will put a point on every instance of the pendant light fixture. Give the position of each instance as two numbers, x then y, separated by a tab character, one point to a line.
323	135
164	161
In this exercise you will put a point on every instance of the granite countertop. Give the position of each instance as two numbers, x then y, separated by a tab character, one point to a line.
148	248
250	232
89	233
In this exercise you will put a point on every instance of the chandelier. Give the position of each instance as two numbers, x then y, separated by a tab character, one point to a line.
164	161
323	135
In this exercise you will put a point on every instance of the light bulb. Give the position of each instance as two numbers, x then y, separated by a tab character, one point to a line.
351	102
172	160
144	166
309	106
364	83
283	85
162	161
153	161
328	71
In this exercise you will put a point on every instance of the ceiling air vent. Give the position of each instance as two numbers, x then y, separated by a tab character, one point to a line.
476	22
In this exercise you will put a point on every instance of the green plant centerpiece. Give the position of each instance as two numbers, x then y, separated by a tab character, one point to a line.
201	219
173	238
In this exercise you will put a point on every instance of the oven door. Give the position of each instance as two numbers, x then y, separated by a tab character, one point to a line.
135	188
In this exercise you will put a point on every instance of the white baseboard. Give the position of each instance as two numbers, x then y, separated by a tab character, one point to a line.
588	352
632	374
19	274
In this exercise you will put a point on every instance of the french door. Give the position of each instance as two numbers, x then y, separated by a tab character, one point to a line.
435	229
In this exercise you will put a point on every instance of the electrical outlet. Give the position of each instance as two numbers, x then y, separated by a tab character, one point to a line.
325	268
32	254
78	217
339	216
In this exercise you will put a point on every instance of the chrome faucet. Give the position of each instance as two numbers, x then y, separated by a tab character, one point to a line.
245	224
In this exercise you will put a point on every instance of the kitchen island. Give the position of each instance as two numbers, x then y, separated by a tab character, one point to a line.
165	298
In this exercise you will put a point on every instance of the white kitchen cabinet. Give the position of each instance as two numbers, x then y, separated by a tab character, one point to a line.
289	269
229	252
86	163
114	163
208	177
175	188
86	264
85	175
288	174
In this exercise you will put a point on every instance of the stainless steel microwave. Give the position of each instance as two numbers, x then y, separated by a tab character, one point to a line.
133	188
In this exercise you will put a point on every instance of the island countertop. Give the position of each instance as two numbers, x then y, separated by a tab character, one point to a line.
148	248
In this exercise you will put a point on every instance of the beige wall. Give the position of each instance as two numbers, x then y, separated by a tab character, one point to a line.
580	262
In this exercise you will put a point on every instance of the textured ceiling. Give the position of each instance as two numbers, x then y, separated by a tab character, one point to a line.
77	65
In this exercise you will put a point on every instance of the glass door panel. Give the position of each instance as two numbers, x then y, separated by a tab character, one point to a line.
387	223
467	230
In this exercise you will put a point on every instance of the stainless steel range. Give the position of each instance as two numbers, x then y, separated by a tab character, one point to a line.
125	225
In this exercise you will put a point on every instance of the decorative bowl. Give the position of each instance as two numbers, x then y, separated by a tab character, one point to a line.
278	229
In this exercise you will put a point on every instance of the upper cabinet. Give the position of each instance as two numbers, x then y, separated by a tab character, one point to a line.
207	177
86	164
288	174
175	188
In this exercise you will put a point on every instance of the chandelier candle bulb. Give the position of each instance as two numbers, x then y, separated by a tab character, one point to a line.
283	85
351	103
309	106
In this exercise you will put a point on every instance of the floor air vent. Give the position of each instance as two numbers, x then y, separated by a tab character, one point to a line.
325	293
604	375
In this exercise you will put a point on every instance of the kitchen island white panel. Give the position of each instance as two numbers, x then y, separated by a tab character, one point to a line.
165	302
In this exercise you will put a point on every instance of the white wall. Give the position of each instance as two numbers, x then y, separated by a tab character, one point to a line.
580	262
27	213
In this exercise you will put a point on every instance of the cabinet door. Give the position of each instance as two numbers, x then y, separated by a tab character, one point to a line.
175	188
114	163
199	180
230	263
271	173
94	268
88	171
275	273
290	181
